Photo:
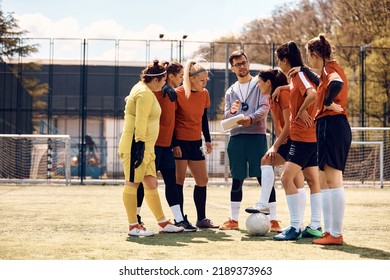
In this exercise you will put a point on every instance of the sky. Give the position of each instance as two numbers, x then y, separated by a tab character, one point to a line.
200	20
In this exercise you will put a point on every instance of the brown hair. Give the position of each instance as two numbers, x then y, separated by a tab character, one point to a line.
154	70
321	46
291	52
276	77
237	54
173	67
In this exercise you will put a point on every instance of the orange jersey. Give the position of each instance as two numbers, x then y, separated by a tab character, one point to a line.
278	107
189	112
332	72
167	120
299	84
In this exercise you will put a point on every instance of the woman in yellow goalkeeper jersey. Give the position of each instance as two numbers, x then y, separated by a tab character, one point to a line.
136	149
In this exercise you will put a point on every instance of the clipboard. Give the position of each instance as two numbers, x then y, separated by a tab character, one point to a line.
230	123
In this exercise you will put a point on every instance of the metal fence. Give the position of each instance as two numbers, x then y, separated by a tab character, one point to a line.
88	80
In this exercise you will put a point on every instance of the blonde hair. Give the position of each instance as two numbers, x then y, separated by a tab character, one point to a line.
191	69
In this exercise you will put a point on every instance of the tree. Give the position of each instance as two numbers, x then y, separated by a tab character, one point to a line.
364	24
378	82
13	47
349	24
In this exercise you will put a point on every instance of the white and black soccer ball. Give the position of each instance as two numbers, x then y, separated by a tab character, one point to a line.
257	224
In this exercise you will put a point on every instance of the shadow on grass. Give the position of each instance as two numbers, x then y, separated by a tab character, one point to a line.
180	239
212	235
363	252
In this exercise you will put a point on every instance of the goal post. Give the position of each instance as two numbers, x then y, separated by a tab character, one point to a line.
365	163
34	158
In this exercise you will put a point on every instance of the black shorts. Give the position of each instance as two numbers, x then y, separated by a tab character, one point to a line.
191	150
164	157
302	153
284	149
334	139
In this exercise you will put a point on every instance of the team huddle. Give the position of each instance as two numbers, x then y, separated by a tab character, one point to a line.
166	116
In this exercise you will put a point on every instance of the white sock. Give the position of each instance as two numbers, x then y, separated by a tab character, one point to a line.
337	203
267	182
177	213
138	210
316	210
293	207
234	209
326	210
272	210
302	205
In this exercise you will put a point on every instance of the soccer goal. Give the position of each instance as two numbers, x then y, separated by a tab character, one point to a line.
368	161
365	164
34	158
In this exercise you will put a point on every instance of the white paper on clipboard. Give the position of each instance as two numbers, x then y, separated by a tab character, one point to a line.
230	123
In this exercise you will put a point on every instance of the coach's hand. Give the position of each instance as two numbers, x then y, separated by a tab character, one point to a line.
137	154
235	107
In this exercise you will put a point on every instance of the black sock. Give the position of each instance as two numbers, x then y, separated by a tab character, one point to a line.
272	196
200	194
180	197
236	191
171	192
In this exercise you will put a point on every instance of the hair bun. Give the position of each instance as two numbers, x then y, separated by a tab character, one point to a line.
322	38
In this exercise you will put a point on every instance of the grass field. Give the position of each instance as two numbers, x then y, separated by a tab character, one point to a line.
89	223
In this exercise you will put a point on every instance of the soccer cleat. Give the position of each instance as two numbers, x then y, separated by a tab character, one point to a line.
138	230
328	239
283	229
286	228
206	223
274	226
290	234
188	227
258	208
168	227
310	233
229	225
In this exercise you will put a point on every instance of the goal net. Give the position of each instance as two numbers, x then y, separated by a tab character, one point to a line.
31	158
368	161
365	164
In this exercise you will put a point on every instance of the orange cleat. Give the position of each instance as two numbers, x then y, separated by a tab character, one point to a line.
229	225
328	239
274	226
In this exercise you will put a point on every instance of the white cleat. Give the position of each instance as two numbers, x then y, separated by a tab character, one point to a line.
168	227
258	208
140	231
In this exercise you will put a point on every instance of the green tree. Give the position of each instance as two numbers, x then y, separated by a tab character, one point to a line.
349	24
13	47
378	82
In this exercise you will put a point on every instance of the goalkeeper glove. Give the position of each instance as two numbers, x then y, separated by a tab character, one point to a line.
166	89
137	153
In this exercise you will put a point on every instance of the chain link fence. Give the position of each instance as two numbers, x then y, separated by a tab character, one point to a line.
88	79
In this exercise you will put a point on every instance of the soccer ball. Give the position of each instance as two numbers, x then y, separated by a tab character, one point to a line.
257	224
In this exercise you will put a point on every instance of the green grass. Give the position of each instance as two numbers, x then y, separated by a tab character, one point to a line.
89	223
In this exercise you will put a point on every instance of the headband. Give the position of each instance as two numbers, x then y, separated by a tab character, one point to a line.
198	72
155	75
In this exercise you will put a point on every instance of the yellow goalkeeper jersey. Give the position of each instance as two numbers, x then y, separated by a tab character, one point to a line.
142	119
